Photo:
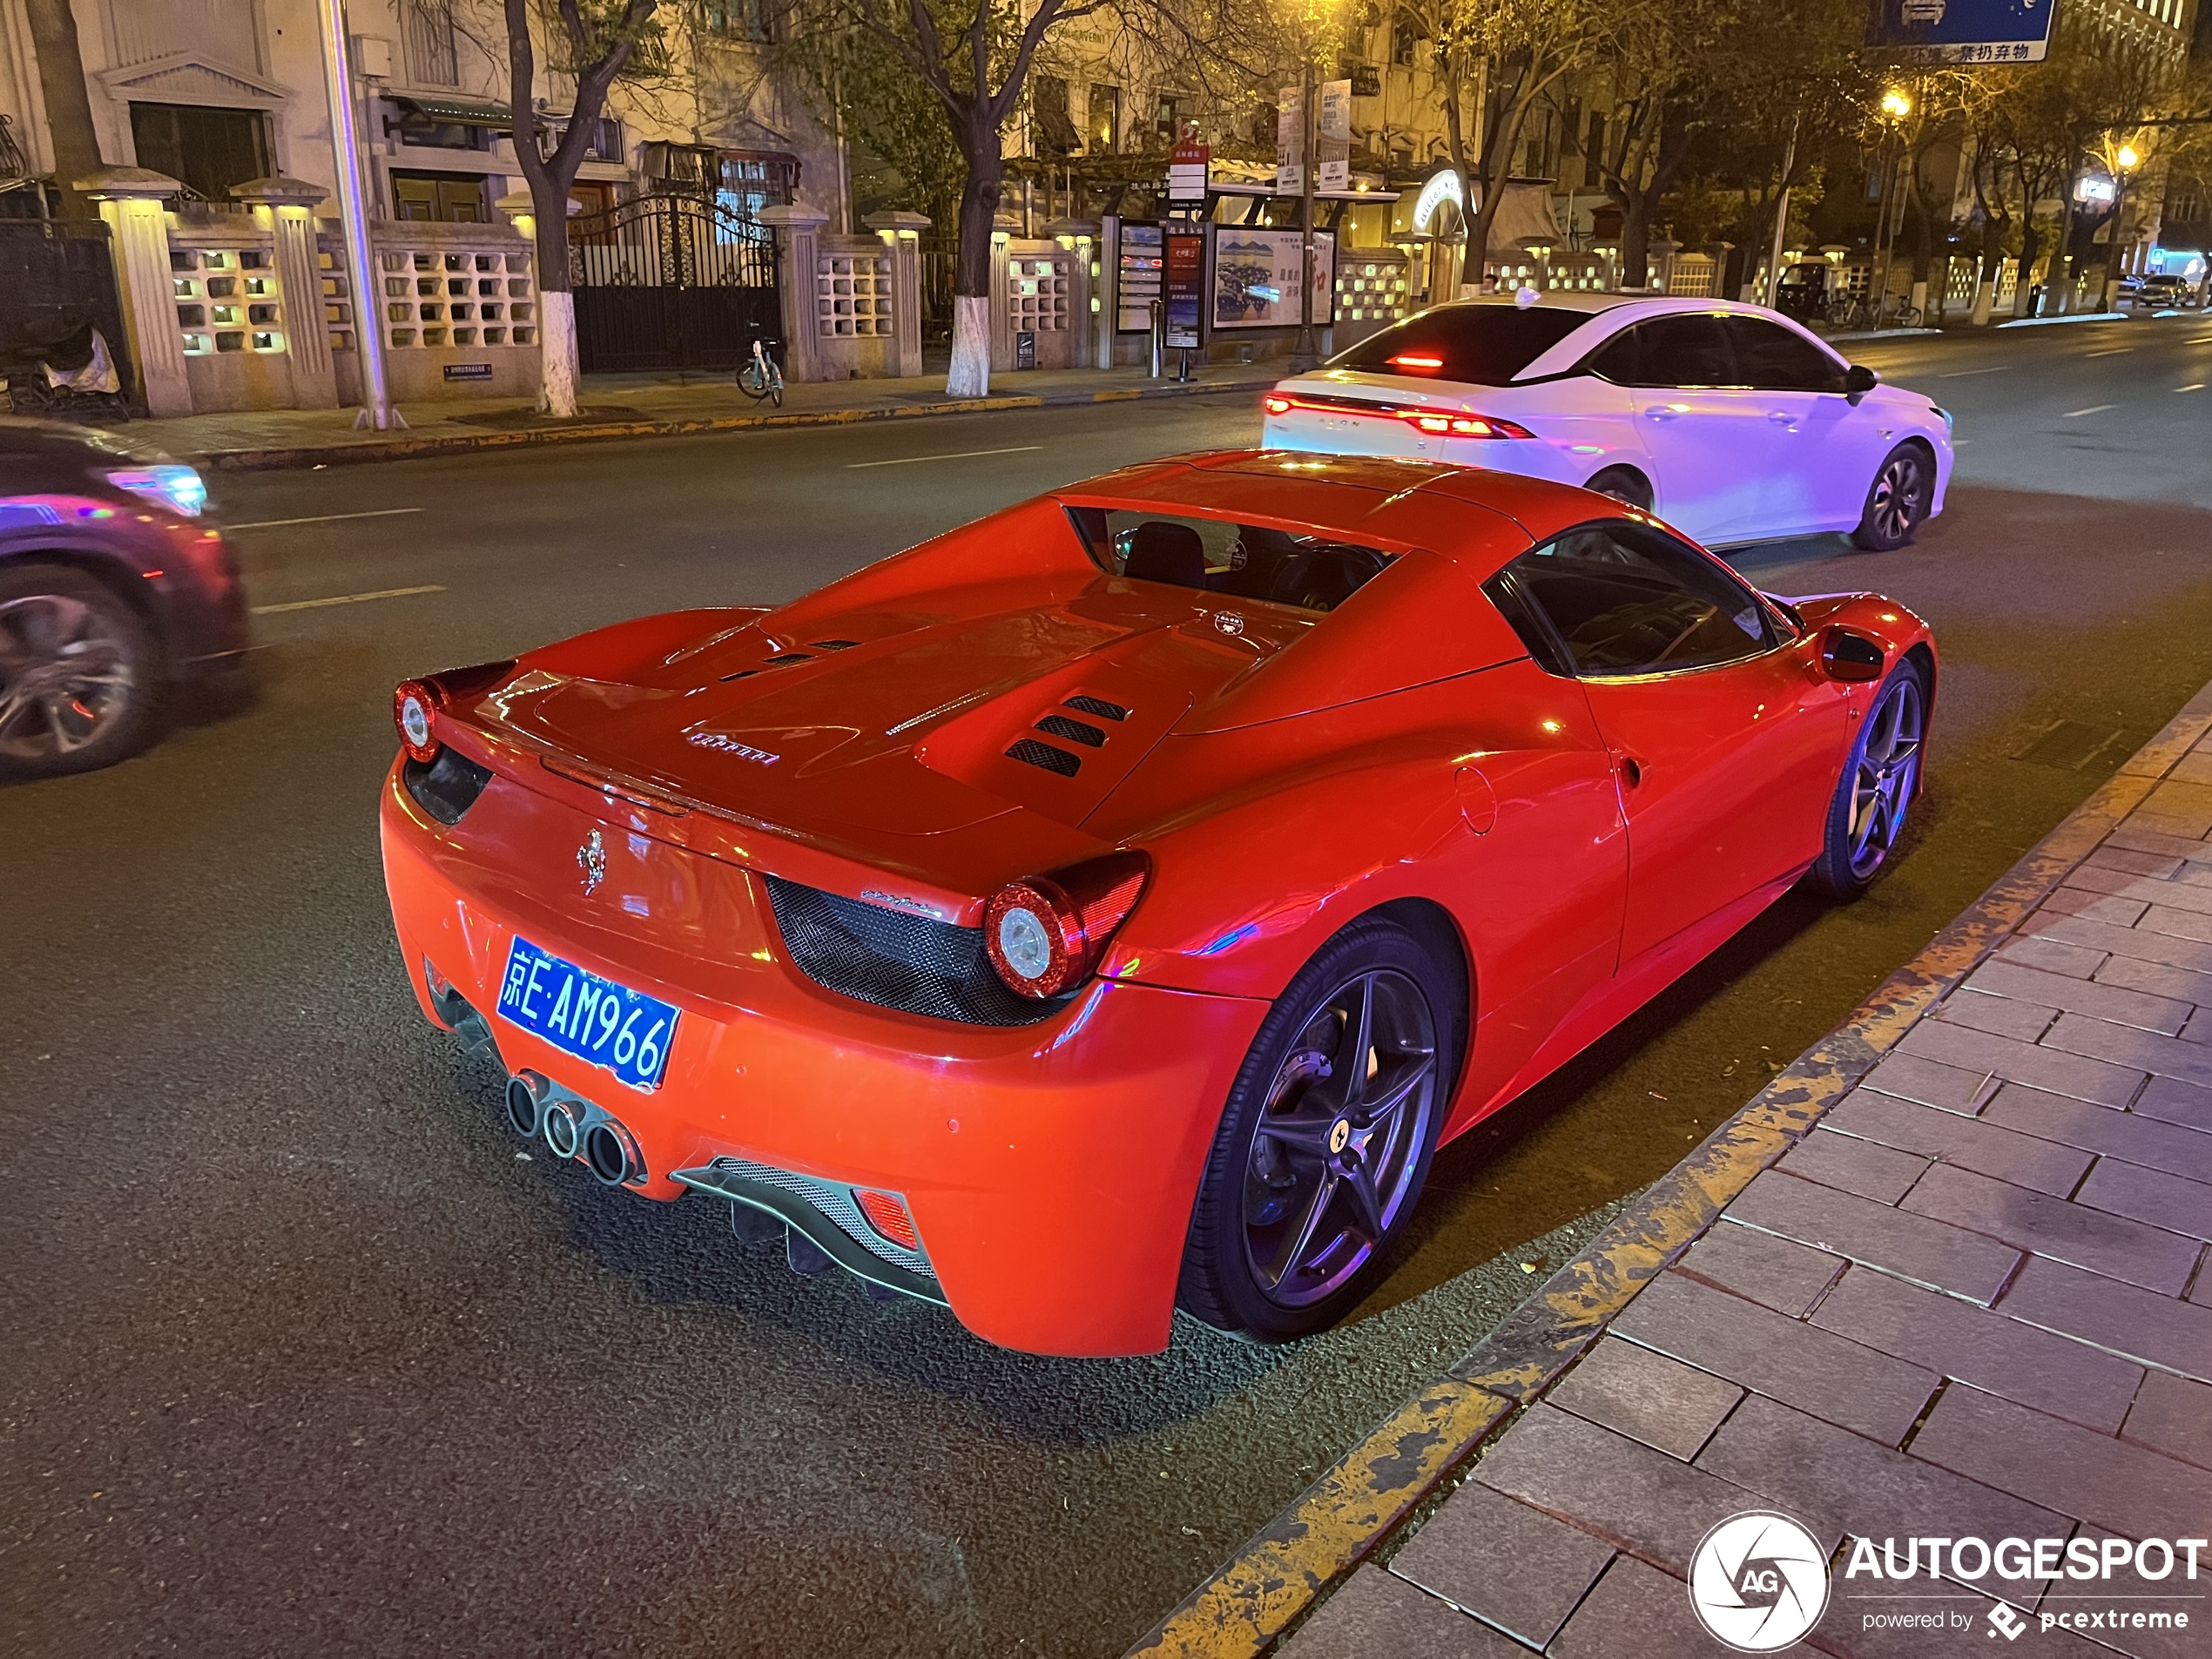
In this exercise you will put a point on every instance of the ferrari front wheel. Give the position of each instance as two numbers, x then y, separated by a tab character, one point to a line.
1882	775
1326	1138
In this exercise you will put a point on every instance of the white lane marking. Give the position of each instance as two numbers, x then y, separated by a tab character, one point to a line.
958	455
2194	386
1961	373
323	518
2095	408
346	599
2109	351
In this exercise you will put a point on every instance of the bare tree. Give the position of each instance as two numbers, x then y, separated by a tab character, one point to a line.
597	41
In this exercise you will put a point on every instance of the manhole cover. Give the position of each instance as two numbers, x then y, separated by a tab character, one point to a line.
2071	746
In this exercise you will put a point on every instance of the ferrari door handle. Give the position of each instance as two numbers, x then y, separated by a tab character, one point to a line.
1631	773
1661	413
1783	418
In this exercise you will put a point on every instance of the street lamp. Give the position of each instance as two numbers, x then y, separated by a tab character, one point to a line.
2125	160
1314	18
1895	106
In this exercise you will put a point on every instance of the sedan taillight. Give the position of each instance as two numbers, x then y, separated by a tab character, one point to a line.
1469	426
1046	934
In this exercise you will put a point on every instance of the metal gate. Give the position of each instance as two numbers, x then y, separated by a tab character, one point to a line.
671	281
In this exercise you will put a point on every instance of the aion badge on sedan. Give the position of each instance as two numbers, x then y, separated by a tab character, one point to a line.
1149	879
1731	421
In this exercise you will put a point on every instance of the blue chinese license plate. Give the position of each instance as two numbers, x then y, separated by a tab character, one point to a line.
594	1019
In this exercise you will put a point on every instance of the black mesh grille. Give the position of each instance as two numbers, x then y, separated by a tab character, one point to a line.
897	961
448	788
1099	706
789	656
742	674
1075	730
1043	754
832	644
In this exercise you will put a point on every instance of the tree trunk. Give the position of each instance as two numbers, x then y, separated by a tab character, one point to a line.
970	375
1636	241
69	106
1497	153
558	356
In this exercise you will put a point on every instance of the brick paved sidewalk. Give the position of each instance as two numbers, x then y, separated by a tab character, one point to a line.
1973	1301
646	405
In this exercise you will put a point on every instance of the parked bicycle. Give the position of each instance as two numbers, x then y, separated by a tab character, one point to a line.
759	377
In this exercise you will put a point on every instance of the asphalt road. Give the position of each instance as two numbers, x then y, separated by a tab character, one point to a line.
305	1356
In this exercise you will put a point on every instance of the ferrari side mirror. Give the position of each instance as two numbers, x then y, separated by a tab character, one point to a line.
1859	381
1849	656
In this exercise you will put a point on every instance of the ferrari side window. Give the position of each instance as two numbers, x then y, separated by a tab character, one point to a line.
1623	599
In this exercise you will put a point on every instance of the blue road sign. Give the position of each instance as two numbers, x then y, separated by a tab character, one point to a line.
1960	31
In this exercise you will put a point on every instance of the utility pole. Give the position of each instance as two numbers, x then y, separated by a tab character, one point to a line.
1304	353
1780	215
344	147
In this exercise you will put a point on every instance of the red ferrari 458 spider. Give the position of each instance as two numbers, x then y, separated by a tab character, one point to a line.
1111	905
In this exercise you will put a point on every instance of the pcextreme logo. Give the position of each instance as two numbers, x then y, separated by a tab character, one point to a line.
1758	1581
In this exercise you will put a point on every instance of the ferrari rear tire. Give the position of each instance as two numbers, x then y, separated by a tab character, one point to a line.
1896	501
1623	483
1326	1139
1882	775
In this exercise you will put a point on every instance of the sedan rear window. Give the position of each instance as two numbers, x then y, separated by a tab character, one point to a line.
1217	556
1485	342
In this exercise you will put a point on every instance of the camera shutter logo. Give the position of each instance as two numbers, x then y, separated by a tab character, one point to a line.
1758	1581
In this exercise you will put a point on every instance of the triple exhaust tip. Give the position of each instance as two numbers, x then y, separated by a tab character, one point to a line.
610	1152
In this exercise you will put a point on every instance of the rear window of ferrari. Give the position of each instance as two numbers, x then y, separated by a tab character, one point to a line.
1484	343
1312	571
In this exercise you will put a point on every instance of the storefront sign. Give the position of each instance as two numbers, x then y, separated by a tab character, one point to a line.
1138	277
1184	286
468	371
1256	273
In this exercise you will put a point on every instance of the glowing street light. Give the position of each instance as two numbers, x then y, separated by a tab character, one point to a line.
1895	104
2125	159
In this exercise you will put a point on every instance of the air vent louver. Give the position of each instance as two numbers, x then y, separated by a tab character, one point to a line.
1031	752
742	674
1099	706
832	644
788	657
1075	730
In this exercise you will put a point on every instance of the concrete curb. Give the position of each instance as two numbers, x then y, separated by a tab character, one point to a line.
2083	316
1291	1562
408	448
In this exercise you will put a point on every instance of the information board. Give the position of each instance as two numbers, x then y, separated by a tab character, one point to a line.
1183	278
1138	277
1256	272
1960	31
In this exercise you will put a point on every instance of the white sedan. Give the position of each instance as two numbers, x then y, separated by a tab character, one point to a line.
1732	423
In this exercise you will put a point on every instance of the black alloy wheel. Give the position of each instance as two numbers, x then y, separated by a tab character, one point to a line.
1867	817
1327	1137
1623	483
77	672
1897	501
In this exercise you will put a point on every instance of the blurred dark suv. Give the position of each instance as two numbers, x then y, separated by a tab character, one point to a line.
115	590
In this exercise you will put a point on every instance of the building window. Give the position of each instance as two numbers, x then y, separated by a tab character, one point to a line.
1167	125
448	199
753	20
422	133
1402	39
433	49
1053	129
1103	123
753	179
207	150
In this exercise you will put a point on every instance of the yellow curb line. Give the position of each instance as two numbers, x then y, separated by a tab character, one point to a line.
1291	1562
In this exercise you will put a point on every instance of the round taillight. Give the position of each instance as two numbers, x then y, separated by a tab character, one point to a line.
1030	938
414	706
1045	935
1276	404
